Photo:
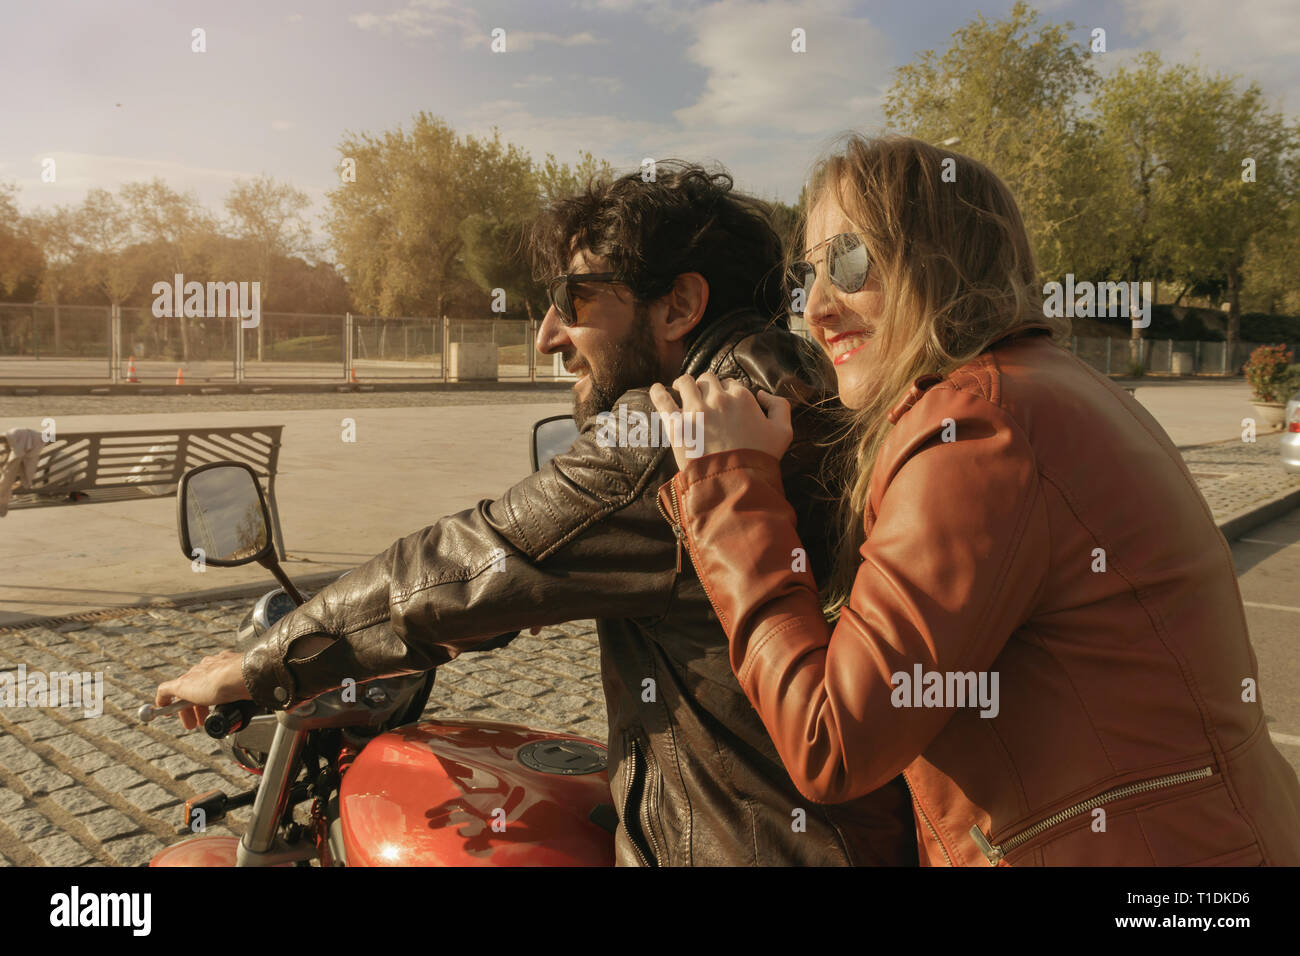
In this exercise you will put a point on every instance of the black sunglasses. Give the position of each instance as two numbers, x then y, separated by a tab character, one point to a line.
558	291
846	265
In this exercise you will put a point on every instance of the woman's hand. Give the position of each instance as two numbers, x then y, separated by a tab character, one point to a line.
721	416
214	680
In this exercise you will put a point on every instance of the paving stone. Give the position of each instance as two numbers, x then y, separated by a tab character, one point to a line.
44	780
179	766
60	850
43	728
110	823
90	762
15	757
149	797
77	800
203	782
10	800
28	825
71	745
135	850
42	636
117	778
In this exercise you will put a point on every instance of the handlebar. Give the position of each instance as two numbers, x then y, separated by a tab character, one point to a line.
223	720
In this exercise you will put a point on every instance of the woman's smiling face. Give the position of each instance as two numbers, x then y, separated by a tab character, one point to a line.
845	324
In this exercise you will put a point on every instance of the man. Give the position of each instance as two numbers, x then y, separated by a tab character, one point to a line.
650	280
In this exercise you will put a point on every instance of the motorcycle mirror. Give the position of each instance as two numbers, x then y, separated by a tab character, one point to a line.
221	511
552	436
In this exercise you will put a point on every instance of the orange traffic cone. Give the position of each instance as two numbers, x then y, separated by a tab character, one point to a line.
354	374
180	376
130	371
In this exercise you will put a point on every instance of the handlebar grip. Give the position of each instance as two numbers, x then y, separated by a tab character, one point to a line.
226	719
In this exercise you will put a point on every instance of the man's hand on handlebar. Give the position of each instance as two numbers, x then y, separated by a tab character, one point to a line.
218	679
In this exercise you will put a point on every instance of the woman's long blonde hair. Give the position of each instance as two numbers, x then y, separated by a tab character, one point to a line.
946	240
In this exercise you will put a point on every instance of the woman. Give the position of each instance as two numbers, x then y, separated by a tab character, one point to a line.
1041	626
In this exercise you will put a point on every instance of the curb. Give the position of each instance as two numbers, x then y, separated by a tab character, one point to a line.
1248	519
1232	527
262	388
304	582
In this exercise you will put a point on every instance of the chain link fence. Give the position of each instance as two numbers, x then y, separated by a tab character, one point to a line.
40	342
1121	356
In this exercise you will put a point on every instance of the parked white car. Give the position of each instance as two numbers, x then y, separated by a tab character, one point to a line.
1291	435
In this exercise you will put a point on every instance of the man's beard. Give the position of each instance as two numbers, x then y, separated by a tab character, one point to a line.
634	364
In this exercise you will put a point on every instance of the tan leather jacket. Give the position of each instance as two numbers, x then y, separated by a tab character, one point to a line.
1045	634
693	775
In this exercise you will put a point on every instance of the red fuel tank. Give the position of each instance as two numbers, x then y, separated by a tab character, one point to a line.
477	793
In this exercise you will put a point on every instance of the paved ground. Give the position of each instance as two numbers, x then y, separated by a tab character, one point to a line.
104	790
29	371
107	790
1268	572
340	502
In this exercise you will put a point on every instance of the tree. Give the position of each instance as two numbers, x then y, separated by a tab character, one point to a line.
1011	98
176	225
55	232
104	229
20	258
1233	168
495	255
268	216
397	229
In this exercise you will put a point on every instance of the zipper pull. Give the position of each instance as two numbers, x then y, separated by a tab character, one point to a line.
994	853
681	536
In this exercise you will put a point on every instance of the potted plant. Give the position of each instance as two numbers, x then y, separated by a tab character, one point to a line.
1271	380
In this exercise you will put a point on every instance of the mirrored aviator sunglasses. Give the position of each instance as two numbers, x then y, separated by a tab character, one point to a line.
846	264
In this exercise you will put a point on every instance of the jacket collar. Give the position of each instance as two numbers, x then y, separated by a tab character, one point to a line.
699	357
925	382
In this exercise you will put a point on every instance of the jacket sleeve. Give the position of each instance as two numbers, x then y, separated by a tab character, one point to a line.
952	566
580	538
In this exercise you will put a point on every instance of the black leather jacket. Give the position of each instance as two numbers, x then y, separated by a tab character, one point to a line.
693	774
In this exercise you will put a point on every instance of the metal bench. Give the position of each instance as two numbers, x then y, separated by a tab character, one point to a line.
127	465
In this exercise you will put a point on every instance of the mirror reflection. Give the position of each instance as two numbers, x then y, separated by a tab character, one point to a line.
225	516
554	438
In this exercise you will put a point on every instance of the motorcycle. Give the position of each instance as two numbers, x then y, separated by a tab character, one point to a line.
354	777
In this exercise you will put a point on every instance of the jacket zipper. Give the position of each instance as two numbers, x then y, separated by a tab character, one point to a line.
996	852
920	811
678	533
647	791
629	748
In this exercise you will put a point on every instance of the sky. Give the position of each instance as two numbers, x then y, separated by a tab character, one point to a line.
114	92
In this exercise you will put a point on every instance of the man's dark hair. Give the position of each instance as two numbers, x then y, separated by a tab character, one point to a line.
689	219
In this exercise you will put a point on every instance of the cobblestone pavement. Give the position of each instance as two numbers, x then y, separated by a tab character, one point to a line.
39	406
107	790
1235	475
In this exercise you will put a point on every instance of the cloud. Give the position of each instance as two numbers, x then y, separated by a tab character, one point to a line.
518	40
755	79
532	81
281	124
420	18
1256	38
427	18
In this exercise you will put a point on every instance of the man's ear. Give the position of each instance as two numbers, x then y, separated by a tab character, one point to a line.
686	304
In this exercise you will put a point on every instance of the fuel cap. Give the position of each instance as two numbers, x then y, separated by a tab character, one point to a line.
566	757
